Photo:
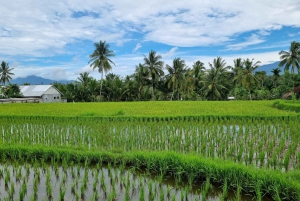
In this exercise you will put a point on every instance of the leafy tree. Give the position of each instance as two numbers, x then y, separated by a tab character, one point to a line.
246	75
84	78
275	77
176	76
154	66
115	88
141	79
262	76
291	58
213	88
238	65
100	59
197	75
5	73
12	91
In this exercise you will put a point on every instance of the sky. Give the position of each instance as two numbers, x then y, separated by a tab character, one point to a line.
53	39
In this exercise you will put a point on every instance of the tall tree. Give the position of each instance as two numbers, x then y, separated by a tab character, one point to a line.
141	78
155	68
276	75
237	66
246	76
291	58
197	74
5	73
214	87
176	76
100	59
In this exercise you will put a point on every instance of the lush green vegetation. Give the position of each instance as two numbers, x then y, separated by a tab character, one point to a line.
256	152
147	109
155	80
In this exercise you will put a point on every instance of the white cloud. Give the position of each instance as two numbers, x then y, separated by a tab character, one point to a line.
252	40
59	74
264	58
31	30
176	23
170	53
138	46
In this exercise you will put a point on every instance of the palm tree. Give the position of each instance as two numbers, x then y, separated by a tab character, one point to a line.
5	73
213	82
100	59
155	67
176	75
291	58
141	78
238	65
197	74
246	75
276	75
84	78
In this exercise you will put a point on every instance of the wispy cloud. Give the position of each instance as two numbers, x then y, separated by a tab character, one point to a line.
138	46
252	40
170	53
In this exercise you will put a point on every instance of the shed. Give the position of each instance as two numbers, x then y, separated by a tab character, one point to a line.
296	90
47	93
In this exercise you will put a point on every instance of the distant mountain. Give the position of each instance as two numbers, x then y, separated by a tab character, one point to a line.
32	79
269	67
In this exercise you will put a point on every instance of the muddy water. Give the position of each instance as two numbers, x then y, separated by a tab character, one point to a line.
74	182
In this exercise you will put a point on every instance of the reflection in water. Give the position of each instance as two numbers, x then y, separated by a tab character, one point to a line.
76	182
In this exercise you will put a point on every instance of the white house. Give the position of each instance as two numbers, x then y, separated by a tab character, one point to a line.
47	93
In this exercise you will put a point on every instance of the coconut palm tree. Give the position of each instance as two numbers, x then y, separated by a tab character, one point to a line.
276	75
155	68
5	73
238	65
100	59
84	78
213	83
141	78
246	76
291	58
197	74
176	77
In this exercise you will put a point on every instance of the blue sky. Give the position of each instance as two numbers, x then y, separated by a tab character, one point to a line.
54	39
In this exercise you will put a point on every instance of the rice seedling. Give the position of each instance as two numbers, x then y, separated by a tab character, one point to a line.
265	143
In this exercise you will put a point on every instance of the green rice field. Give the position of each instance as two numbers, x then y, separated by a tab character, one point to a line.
233	150
147	109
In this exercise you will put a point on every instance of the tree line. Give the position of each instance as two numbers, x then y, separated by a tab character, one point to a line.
153	80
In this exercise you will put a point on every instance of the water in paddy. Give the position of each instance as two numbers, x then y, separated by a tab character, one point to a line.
75	182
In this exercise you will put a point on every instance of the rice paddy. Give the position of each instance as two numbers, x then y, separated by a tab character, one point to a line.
185	157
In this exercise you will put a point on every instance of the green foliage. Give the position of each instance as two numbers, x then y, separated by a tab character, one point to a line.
287	105
11	91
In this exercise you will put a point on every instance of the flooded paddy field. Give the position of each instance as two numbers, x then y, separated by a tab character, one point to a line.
104	182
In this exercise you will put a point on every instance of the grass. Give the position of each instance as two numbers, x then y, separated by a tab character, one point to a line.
146	109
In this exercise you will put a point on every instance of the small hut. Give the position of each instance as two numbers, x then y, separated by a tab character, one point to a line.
296	91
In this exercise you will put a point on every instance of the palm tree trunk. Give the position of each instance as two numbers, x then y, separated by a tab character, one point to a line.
172	93
250	95
101	85
152	89
177	93
235	91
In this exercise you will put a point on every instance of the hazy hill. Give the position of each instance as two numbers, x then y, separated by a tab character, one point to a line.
269	67
32	79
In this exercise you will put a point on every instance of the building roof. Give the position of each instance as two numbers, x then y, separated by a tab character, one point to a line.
35	90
